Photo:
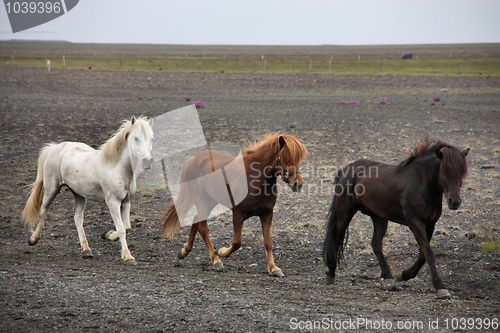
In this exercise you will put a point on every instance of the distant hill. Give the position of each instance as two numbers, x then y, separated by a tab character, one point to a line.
36	41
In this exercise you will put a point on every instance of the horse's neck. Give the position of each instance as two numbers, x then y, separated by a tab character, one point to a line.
261	170
126	164
428	167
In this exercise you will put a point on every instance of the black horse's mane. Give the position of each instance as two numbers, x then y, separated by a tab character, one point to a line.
424	148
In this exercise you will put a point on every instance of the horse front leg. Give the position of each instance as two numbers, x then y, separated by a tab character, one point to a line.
125	213
120	233
266	221
80	203
425	248
237	227
379	230
412	272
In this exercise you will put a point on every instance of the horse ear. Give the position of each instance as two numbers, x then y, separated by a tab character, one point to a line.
439	154
133	120
465	152
282	142
151	122
296	136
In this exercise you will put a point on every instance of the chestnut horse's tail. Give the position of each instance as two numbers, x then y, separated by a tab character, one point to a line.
170	221
35	200
333	247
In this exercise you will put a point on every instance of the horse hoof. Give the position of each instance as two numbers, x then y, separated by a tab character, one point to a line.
131	262
31	242
330	279
219	266
399	277
106	234
443	294
87	254
216	252
180	255
278	273
389	284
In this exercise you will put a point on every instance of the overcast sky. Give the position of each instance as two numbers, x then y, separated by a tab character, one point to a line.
271	22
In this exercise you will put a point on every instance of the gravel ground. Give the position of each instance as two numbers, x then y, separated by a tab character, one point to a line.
49	287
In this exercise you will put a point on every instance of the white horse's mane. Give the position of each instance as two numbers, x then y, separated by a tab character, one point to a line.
112	148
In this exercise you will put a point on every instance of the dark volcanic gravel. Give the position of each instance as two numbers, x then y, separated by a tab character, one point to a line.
49	287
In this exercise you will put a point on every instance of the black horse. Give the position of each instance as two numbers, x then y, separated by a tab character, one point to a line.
410	193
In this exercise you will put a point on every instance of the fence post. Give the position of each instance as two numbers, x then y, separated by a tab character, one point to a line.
383	65
64	61
460	68
310	64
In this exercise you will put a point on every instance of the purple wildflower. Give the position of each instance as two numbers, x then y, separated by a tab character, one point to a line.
434	99
199	104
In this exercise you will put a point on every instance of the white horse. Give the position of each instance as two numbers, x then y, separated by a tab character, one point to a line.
104	175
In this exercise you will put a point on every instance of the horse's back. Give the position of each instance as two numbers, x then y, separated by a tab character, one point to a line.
71	153
205	163
365	169
69	163
374	186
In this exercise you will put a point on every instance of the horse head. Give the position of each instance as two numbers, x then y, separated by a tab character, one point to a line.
140	141
452	171
291	153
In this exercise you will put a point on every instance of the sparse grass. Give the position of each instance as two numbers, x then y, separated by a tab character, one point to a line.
434	60
490	246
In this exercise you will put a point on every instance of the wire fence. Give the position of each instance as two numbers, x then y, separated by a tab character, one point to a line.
245	63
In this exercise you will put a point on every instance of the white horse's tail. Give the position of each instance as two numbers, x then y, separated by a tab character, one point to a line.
34	203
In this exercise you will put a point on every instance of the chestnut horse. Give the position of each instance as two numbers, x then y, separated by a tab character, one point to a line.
276	155
410	193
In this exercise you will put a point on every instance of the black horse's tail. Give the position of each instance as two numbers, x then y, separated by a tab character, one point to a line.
333	247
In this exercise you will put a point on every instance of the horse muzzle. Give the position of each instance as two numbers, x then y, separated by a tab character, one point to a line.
296	186
454	204
146	163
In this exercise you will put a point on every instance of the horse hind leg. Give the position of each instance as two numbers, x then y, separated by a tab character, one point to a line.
188	246
80	203
48	197
203	230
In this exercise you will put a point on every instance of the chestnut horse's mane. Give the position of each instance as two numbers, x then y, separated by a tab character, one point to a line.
293	151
